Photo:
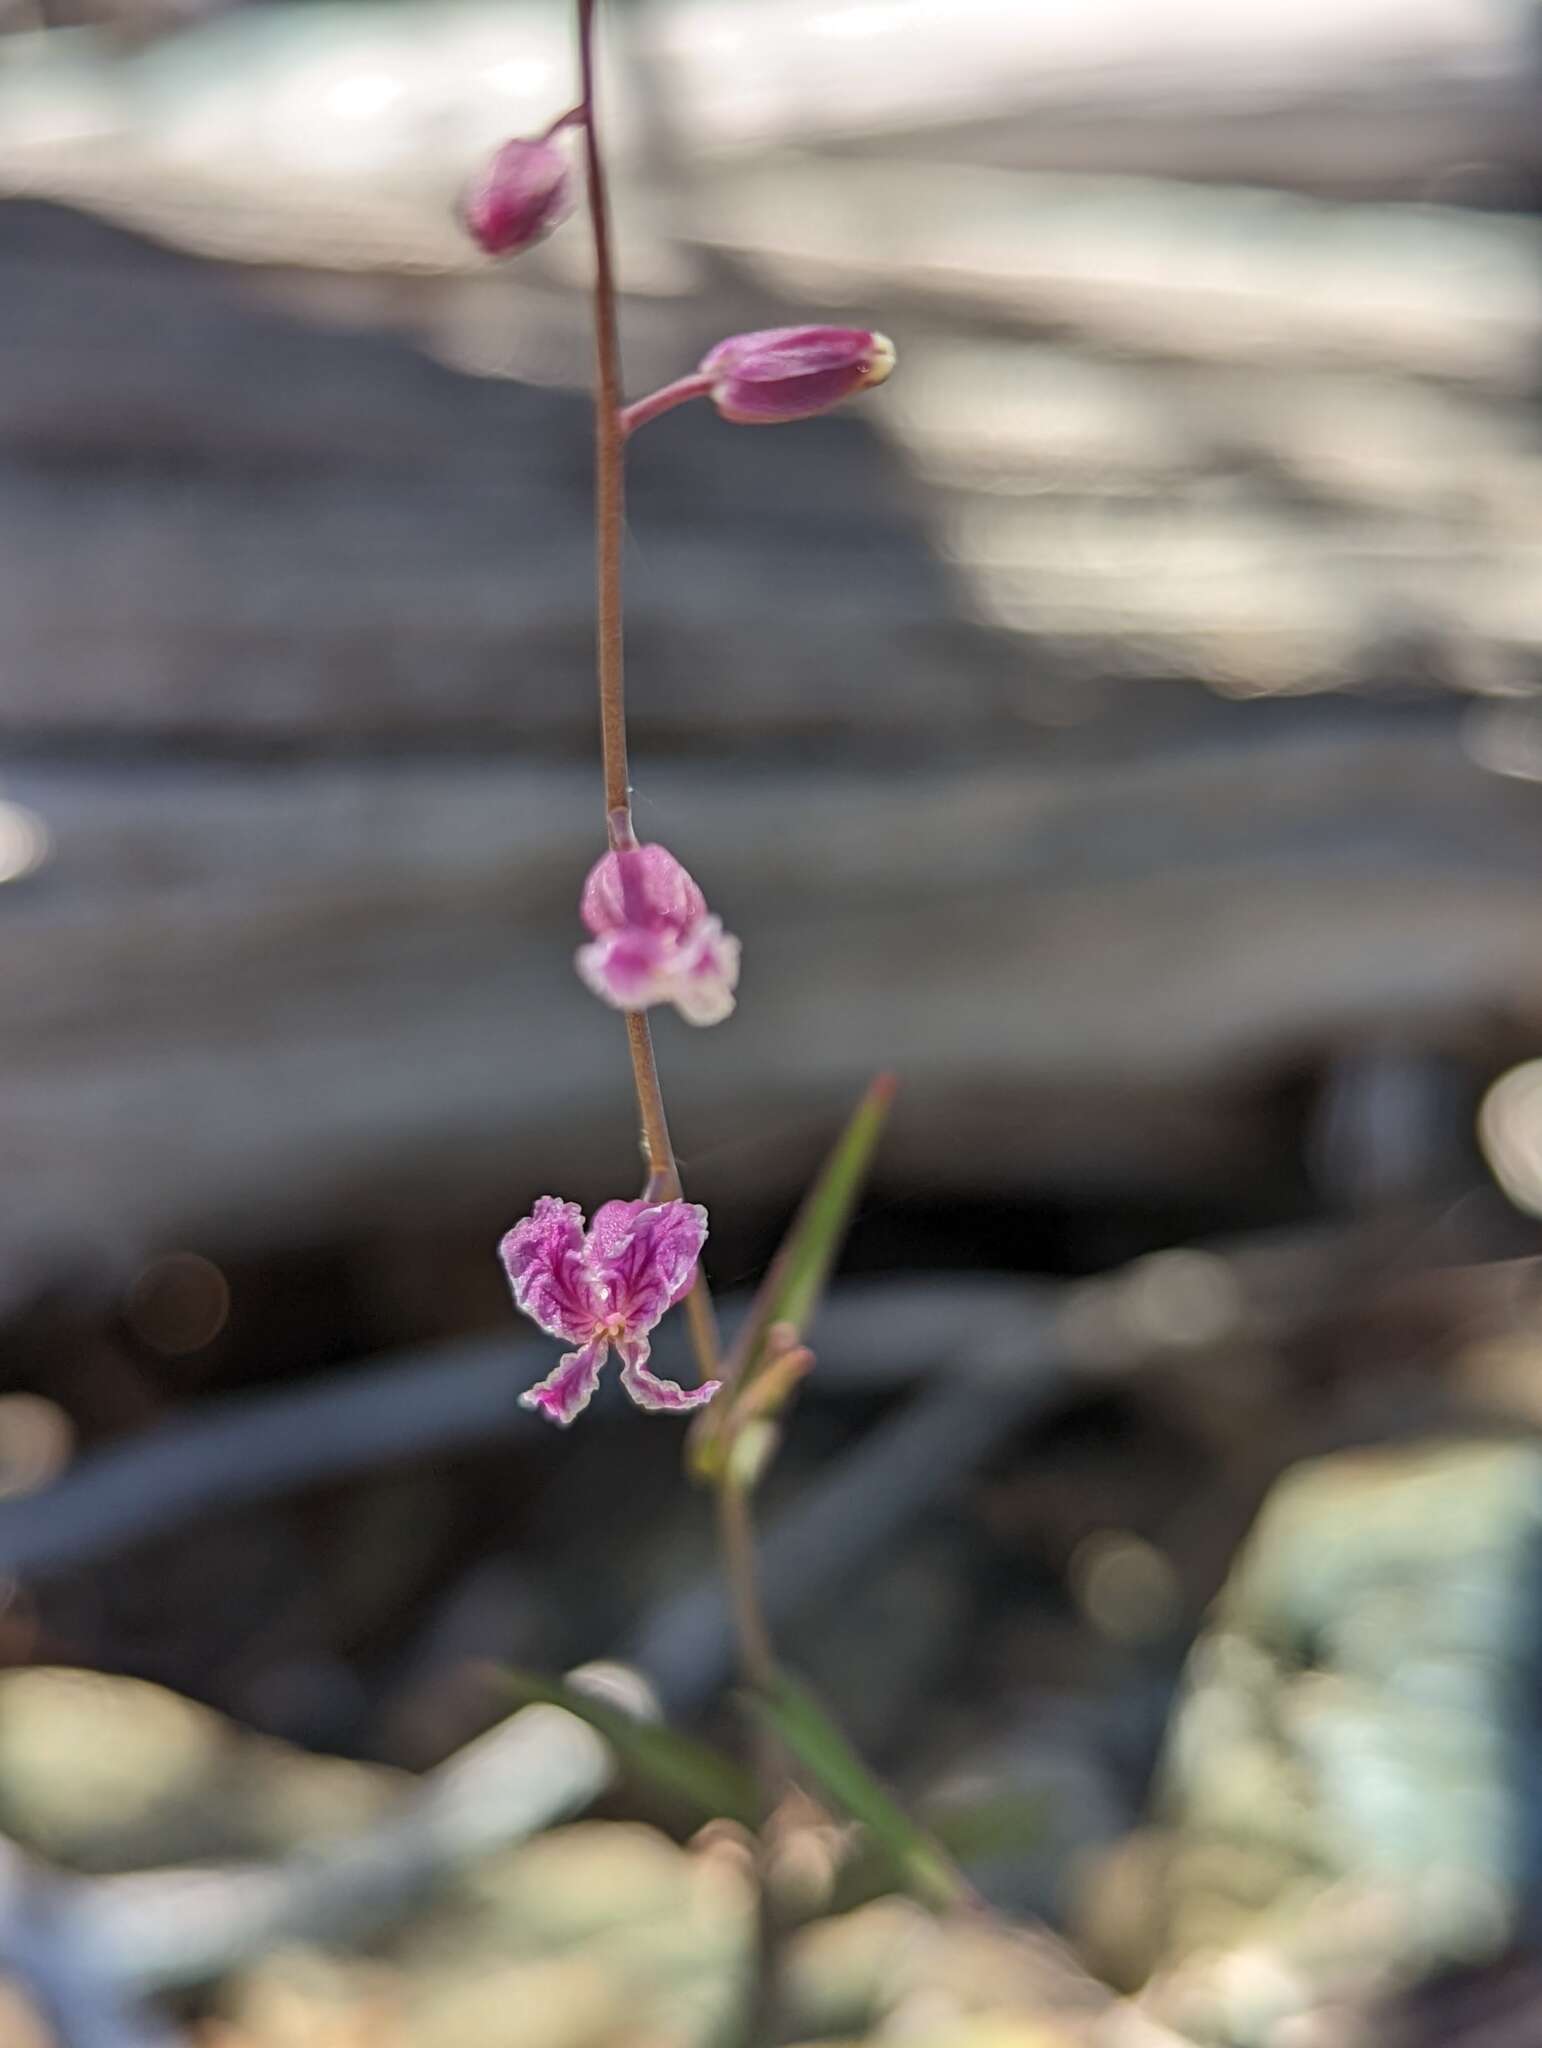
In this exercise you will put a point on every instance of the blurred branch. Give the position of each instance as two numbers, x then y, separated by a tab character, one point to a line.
169	1928
997	1350
459	1396
48	1945
251	1447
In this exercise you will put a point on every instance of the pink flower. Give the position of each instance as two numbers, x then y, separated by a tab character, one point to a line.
792	373
654	941
519	198
609	1286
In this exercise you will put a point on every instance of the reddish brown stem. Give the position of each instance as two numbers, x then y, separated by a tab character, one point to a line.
610	522
681	392
609	471
571	119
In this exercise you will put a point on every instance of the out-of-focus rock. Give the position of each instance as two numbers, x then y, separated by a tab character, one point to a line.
895	1965
618	1931
993	2032
108	1774
590	1936
1350	1781
21	2024
596	1934
302	1998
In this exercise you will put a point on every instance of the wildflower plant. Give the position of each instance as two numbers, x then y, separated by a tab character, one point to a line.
653	942
652	938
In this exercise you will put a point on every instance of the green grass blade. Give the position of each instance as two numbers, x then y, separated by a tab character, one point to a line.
799	1721
795	1281
674	1764
801	1270
978	1831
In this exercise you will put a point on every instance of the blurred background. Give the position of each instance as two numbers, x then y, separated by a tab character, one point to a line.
1126	725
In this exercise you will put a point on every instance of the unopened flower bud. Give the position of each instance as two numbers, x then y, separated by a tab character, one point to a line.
519	198
793	373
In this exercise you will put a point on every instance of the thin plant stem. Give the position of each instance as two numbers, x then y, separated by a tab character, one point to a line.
571	119
663	1170
736	1534
701	1327
757	1664
610	521
735	1529
681	392
609	471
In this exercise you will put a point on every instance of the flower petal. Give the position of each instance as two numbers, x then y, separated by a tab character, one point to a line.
519	197
642	1258
629	969
568	1391
644	888
704	973
543	1256
656	1395
792	373
653	939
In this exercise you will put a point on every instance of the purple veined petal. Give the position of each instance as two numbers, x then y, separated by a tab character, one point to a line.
705	973
779	353
654	941
630	970
728	353
642	1258
747	403
642	889
543	1256
568	1390
657	1395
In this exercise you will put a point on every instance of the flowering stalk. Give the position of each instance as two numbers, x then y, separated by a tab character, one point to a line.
735	1528
652	939
610	517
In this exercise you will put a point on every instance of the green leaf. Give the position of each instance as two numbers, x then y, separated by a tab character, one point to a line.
794	1283
1010	1824
674	1764
799	1721
799	1273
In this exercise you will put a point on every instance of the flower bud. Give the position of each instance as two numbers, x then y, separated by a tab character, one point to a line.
519	198
792	373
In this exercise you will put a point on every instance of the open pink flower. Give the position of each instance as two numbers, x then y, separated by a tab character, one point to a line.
654	940
606	1287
